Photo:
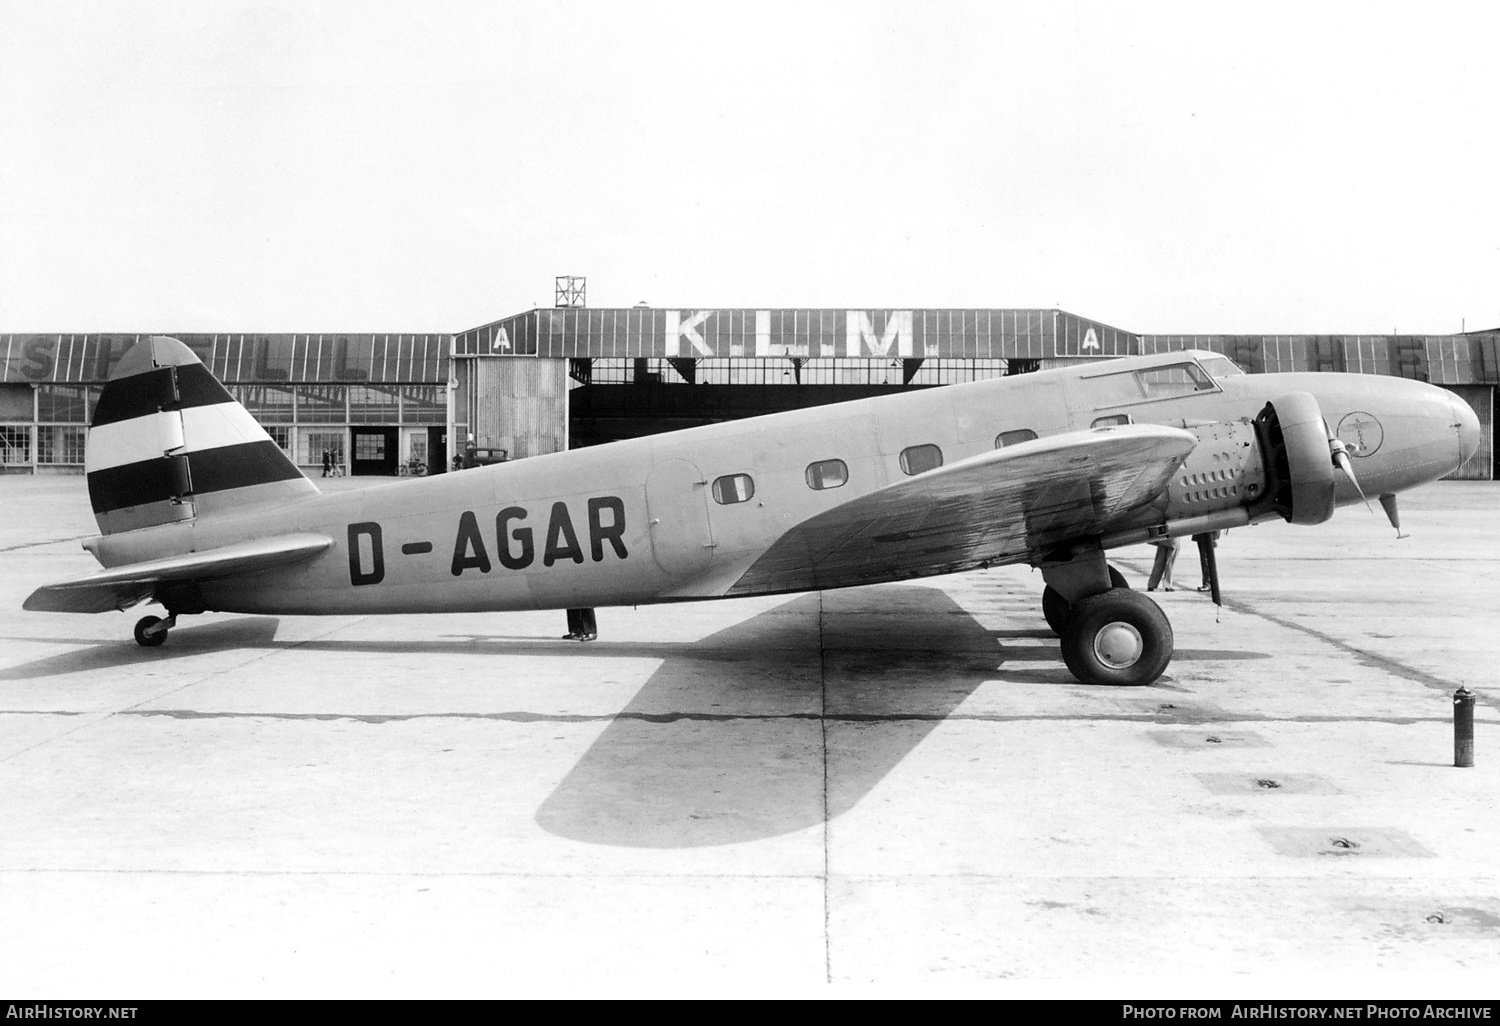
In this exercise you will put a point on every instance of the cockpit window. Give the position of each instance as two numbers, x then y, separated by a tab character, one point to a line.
1164	382
1173	380
1220	366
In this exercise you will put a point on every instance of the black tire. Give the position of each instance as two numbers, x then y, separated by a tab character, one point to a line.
1055	607
149	640
1119	638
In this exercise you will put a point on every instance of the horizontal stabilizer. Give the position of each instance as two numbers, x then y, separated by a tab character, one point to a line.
123	586
996	507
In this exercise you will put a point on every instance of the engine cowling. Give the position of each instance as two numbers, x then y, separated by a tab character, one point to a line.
1298	464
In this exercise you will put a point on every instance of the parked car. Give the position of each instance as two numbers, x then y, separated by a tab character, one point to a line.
475	457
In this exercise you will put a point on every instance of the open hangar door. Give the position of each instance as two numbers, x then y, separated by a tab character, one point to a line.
374	451
612	399
528	405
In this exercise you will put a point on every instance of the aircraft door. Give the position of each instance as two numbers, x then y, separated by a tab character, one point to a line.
677	505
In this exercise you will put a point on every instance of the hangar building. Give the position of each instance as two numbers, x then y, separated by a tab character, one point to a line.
551	379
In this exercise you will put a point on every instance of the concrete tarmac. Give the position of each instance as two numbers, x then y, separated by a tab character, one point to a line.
889	787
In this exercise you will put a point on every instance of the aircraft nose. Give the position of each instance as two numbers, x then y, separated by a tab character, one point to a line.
1468	429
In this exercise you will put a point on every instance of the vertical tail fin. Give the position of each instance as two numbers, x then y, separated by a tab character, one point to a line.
169	443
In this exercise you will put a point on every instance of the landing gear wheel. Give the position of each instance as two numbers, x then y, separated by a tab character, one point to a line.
1055	607
1119	638
144	624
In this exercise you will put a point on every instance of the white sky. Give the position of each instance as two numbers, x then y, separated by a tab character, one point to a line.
1301	167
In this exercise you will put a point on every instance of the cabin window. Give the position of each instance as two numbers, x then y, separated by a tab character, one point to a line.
1005	438
827	474
920	458
1174	380
1113	420
733	488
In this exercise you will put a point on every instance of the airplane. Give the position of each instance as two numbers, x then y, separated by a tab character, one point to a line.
198	509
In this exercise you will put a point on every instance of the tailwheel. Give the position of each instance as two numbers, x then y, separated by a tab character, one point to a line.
1118	637
148	637
1055	608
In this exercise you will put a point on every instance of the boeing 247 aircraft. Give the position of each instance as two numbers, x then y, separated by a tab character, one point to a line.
198	509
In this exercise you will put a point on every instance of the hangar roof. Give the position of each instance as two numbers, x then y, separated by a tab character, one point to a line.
743	332
843	332
353	358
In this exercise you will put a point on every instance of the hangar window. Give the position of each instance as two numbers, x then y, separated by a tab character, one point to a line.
1005	438
920	458
733	488
15	445
827	474
373	404
322	404
266	403
16	402
59	444
61	404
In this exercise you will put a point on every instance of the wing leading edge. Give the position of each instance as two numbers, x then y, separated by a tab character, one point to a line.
124	586
993	508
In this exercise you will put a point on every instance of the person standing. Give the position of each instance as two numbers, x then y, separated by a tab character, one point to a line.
1161	571
327	462
581	625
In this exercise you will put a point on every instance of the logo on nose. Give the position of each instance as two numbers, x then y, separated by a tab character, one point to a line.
1361	432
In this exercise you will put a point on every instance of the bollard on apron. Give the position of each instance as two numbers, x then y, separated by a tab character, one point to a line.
1463	727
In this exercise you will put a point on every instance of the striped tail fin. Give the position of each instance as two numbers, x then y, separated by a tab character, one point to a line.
169	443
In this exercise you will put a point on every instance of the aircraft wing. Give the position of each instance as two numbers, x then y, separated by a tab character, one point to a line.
993	508
123	586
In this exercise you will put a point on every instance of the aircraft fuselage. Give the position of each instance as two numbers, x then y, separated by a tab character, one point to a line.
684	515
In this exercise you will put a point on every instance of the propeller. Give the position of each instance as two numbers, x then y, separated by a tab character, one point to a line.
1340	453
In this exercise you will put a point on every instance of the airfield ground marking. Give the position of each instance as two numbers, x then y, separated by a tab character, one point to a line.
1371	659
1374	660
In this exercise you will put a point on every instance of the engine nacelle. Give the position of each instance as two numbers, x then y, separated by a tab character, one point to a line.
1224	471
1298	463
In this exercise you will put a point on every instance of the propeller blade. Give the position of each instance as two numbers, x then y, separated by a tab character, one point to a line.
1341	460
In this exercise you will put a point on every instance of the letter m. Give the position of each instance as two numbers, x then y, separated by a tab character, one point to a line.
860	338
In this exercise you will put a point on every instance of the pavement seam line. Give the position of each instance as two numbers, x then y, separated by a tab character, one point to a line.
375	719
135	710
827	827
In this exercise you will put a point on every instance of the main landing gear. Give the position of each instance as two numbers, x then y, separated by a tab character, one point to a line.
151	631
1111	636
1055	608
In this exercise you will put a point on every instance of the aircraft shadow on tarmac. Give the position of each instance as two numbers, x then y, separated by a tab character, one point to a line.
875	680
885	681
689	762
